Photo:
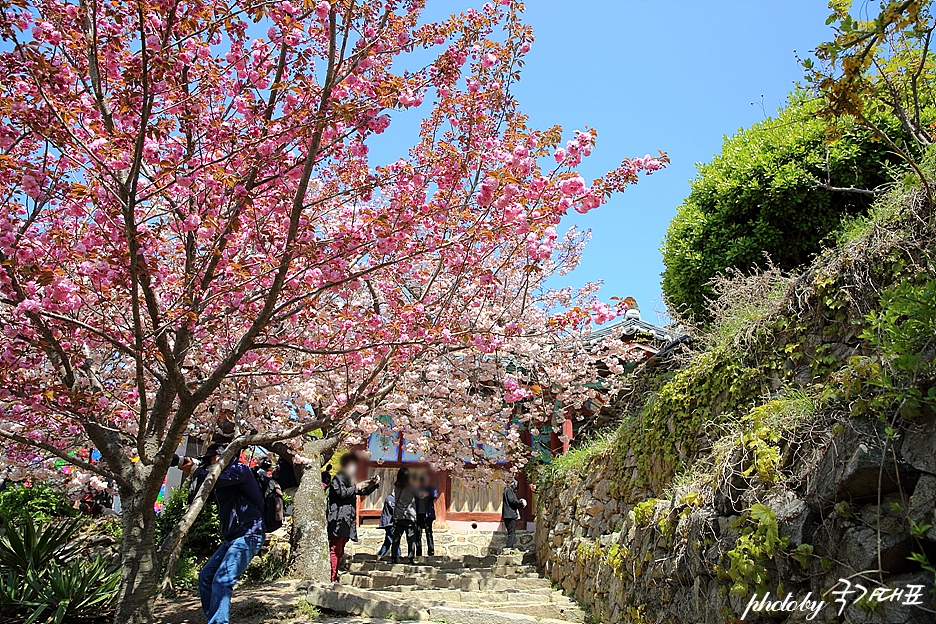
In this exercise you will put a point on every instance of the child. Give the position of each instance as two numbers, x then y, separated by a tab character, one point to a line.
386	523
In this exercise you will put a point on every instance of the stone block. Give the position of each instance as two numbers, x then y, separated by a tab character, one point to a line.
922	509
602	490
350	601
918	446
595	509
791	512
873	527
853	466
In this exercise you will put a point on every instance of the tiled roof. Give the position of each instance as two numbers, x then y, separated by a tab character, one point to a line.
634	326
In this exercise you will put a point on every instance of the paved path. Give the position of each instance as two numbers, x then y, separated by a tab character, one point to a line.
494	589
264	604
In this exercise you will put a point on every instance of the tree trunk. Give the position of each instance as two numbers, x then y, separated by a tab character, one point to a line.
310	529
139	569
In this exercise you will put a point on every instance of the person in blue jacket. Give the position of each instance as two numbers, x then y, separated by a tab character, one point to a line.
386	523
240	511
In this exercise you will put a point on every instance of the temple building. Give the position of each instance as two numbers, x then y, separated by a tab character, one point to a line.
461	507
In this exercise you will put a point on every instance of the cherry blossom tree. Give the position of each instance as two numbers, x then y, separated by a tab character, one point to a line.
192	221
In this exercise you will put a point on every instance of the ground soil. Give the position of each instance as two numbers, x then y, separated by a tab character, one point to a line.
271	603
252	604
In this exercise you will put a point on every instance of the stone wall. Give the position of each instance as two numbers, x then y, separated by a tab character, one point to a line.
448	543
844	512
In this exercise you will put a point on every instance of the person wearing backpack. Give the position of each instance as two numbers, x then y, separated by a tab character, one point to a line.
274	510
343	491
240	511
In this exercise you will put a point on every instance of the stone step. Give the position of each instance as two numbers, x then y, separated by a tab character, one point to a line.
455	543
544	611
422	593
358	602
346	600
468	561
451	614
469	581
542	595
428	573
422	568
542	604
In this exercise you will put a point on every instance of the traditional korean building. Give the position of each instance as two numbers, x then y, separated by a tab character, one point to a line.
462	507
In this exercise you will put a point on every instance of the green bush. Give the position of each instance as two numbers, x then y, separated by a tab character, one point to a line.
898	374
204	536
760	196
40	502
186	574
44	580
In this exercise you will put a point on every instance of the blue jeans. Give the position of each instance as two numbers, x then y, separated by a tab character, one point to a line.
388	543
216	580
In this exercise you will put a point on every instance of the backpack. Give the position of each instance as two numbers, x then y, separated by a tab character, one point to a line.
274	511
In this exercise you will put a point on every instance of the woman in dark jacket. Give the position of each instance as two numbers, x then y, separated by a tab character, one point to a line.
404	516
510	512
342	509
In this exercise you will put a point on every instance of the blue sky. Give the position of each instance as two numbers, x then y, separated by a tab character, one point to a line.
675	75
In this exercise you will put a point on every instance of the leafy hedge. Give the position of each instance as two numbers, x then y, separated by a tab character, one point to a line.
205	534
760	196
37	501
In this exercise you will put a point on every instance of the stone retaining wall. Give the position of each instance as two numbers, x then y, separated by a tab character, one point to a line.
668	562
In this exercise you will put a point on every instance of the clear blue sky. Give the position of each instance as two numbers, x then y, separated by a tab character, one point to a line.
675	75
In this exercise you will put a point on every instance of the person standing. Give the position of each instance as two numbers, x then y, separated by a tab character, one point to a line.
404	516
386	523
240	511
510	512
425	516
343	491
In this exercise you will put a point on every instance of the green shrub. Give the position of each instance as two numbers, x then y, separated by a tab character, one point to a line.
761	196
898	374
205	534
186	574
44	580
759	541
40	502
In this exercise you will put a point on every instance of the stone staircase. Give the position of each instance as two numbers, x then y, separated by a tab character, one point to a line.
492	589
453	543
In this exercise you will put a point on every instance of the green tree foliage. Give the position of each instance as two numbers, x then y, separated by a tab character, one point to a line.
771	192
881	67
205	535
39	502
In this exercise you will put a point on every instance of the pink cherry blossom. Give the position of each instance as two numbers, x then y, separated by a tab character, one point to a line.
263	259
322	9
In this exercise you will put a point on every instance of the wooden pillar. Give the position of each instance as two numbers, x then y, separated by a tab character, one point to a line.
444	485
363	472
568	434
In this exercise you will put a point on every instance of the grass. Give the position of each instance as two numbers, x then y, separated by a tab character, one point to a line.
306	609
576	461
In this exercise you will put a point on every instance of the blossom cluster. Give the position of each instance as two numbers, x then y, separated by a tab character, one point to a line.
192	221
